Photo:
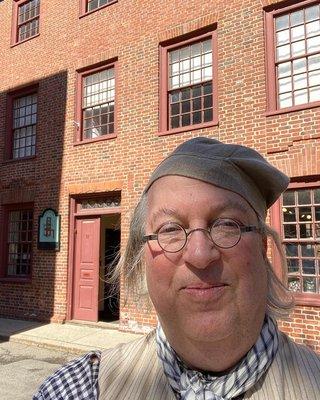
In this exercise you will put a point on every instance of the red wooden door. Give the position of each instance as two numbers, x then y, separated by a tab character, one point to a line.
86	269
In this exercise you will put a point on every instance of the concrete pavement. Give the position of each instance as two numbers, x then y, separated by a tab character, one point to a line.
72	337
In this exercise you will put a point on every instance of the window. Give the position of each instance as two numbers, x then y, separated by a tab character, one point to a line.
18	241
23	120
26	20
188	84
96	103
293	56
300	220
88	6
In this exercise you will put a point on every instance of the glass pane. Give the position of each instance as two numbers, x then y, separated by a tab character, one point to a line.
186	120
308	267
314	62
293	265
207	101
185	93
288	198
317	233
282	22
305	214
285	85
300	81
294	284
314	78
297	33
185	106
175	122
285	100
290	231
315	93
301	97
174	97
175	109
298	48
316	193
196	91
196	104
304	196
296	18
207	88
313	44
313	28
282	37
196	117
317	213
309	285
312	13
196	49
207	115
289	214
284	69
207	46
174	56
307	250
283	52
299	66
291	249
305	231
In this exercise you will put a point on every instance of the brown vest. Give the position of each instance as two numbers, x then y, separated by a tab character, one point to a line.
133	372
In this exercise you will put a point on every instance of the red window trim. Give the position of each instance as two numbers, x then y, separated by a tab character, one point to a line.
78	102
271	91
25	91
164	48
14	25
303	299
3	245
83	7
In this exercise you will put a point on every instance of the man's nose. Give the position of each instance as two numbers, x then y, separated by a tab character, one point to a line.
200	250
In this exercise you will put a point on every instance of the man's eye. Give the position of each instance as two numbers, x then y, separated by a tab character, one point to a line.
170	229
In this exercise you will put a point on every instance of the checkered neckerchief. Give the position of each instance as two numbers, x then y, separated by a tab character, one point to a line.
194	385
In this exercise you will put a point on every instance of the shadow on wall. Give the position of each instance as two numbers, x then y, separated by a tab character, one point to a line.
29	184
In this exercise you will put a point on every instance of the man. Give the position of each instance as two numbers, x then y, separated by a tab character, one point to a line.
198	247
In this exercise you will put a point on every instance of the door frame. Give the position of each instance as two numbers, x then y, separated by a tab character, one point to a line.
74	213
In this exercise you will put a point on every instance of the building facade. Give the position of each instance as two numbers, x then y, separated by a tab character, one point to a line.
94	93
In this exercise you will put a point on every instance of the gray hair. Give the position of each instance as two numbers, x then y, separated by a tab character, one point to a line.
131	266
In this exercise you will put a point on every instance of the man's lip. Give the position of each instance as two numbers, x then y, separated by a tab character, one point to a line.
203	286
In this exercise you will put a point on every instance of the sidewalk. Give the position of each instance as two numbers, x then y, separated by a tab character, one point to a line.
75	338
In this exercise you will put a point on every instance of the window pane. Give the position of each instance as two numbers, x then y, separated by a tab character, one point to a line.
298	48
307	250
284	69
312	13
304	197
296	18
308	267
282	22
301	97
300	81
315	93
186	120
294	284
291	249
290	231
282	37
313	44
305	214
288	198
297	33
309	285
285	85
314	78
283	52
317	213
285	100
313	28
317	196
293	265
305	231
289	214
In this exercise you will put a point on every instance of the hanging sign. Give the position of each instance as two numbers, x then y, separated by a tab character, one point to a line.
49	230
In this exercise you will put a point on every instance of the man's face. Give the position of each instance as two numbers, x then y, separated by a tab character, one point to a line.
204	293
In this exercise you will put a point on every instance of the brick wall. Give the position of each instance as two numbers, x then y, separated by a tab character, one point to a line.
132	34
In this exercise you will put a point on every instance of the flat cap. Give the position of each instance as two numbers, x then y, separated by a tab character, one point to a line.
229	166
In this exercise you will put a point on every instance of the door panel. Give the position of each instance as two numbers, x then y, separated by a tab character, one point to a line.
86	269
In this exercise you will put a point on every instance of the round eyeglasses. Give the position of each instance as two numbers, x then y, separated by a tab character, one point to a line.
224	233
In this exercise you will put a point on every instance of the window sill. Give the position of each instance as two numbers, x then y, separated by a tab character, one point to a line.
15	280
13	160
292	109
189	128
97	9
99	139
304	299
25	40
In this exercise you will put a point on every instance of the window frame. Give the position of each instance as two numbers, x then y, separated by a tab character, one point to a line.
164	49
15	26
83	7
6	209
78	122
304	299
11	97
270	12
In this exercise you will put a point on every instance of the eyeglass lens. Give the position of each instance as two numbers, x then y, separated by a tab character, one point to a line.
224	233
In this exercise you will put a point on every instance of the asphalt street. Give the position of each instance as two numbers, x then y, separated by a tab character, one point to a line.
24	367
